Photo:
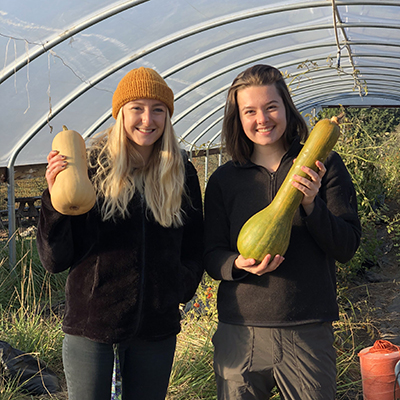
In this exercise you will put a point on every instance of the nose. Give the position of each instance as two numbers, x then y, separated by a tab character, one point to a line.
146	117
262	117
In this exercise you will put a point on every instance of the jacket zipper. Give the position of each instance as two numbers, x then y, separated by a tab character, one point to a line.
273	190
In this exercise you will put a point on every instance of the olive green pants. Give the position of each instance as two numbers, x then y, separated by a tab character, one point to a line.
250	361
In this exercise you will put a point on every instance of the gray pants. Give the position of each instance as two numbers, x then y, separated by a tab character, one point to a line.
250	361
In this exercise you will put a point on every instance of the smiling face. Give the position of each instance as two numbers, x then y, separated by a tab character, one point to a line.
263	115
144	122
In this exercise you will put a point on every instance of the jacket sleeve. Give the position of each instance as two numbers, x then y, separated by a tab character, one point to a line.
219	258
334	222
58	247
192	242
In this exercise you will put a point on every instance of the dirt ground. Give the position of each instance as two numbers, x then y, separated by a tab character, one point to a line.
376	293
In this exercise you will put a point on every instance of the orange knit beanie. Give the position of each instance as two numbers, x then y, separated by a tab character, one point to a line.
142	83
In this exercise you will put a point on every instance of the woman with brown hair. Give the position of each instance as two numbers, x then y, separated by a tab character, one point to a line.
275	317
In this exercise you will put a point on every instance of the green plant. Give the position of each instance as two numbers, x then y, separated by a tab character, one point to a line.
28	283
369	154
27	321
192	375
353	331
393	230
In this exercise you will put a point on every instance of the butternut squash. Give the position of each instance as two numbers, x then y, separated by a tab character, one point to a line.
269	230
72	192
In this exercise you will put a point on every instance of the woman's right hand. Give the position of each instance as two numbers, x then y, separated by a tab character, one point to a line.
55	163
267	264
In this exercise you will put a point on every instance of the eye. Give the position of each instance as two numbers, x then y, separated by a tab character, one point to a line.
159	110
135	108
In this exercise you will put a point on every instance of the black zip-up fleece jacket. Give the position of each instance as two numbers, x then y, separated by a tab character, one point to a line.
303	288
126	278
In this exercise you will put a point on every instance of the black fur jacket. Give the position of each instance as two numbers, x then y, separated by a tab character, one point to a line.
126	278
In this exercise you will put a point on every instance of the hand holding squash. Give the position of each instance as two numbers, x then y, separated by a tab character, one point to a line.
71	191
310	185
55	164
268	264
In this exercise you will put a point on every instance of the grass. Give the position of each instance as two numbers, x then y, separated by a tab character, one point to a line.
192	376
26	322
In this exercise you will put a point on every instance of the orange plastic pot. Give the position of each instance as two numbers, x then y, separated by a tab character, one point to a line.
377	365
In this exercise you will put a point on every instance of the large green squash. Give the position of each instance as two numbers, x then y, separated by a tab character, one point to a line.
268	231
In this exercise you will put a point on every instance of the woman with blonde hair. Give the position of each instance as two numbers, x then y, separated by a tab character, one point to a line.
136	256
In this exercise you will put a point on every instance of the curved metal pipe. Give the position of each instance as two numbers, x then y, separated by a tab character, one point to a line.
22	61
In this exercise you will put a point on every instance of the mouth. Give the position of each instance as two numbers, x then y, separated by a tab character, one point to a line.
145	131
264	130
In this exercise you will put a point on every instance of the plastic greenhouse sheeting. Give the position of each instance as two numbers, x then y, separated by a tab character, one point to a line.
61	60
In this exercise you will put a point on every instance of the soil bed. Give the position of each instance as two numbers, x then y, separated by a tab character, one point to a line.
376	292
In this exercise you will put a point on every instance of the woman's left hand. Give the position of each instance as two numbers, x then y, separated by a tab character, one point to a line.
309	186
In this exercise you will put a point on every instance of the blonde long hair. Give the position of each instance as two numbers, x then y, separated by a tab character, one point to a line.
120	172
